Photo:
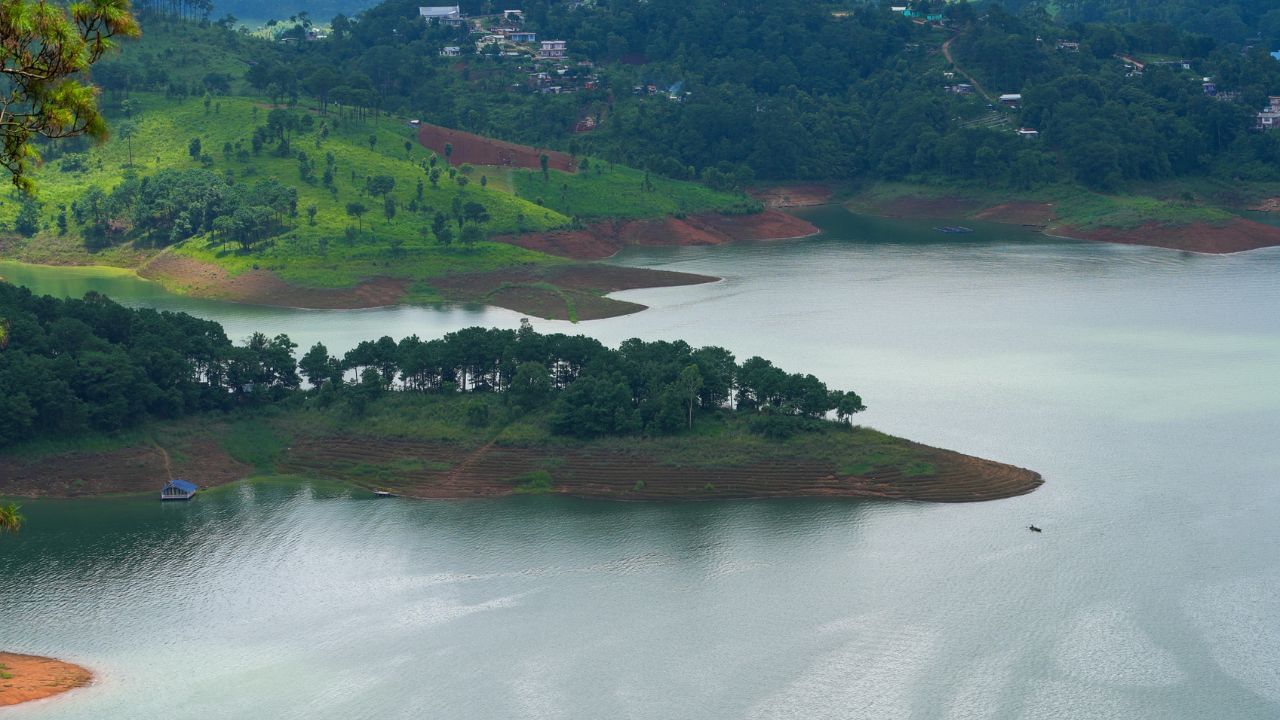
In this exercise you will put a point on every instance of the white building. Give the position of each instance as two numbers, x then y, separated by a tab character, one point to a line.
444	14
551	50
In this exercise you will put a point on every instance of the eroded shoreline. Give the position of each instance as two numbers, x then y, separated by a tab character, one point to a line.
1220	238
634	470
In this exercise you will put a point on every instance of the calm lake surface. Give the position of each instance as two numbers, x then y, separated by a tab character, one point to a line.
1143	383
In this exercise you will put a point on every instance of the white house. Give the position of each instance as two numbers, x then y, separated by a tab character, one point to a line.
444	14
551	50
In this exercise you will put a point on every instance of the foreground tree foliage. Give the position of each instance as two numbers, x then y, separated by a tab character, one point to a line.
45	47
91	365
10	519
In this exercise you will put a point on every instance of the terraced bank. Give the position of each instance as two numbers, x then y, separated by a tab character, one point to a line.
421	452
639	472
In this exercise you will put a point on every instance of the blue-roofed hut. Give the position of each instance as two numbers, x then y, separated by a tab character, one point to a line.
178	490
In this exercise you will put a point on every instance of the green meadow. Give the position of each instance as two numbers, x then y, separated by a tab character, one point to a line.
603	190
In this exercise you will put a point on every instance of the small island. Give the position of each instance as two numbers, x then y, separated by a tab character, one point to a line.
24	678
99	398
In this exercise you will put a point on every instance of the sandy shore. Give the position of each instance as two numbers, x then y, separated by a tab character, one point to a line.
24	678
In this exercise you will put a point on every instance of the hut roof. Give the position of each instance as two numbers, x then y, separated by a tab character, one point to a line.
184	485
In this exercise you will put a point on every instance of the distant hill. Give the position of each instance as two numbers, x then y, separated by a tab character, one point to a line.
320	10
1240	21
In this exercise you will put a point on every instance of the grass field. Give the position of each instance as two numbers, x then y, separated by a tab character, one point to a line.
320	253
604	191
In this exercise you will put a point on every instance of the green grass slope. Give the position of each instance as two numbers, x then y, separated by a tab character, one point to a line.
313	254
604	190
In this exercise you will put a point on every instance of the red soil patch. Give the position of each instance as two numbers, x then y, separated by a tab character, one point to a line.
603	239
480	150
1018	213
263	287
127	470
493	471
787	196
642	470
1235	236
932	207
36	678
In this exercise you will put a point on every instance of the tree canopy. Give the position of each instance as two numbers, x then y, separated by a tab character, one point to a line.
46	48
91	365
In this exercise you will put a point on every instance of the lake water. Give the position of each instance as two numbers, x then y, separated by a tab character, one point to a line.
1143	383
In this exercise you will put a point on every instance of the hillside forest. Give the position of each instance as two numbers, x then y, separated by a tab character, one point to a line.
793	89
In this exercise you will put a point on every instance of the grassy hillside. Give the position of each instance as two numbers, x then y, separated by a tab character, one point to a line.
319	253
615	191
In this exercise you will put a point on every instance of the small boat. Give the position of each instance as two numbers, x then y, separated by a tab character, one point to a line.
954	229
383	493
1033	528
178	489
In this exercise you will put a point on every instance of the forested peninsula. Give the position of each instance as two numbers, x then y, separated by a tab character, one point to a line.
98	398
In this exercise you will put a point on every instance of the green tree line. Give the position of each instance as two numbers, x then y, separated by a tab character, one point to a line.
90	365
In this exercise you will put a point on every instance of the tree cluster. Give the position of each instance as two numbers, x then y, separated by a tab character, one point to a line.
69	367
173	205
91	365
588	389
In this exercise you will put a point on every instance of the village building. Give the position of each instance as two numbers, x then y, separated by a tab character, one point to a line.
443	14
1028	133
178	490
1269	118
551	50
520	36
513	15
450	51
1012	100
1068	46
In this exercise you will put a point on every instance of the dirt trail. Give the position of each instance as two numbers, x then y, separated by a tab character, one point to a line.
946	53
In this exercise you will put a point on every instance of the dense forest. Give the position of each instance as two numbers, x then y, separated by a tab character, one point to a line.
792	89
70	367
1238	21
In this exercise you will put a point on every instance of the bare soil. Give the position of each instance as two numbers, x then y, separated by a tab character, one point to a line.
1237	235
495	470
263	287
792	196
36	678
136	469
604	239
1018	213
453	471
480	150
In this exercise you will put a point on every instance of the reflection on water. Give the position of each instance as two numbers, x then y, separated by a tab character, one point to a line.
1140	382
